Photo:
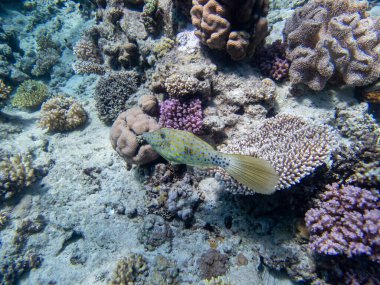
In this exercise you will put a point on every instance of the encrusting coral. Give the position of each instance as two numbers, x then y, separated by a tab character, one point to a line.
293	145
111	93
238	27
16	173
345	221
333	41
62	114
30	94
124	133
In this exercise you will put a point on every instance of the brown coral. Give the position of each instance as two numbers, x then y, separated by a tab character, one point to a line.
333	41
293	145
238	27
62	114
124	133
4	91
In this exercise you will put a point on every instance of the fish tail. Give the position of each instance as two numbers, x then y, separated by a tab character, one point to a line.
255	173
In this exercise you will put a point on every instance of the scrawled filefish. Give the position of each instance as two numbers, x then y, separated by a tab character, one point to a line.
181	147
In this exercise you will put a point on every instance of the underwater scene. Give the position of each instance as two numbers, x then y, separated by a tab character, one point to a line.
190	142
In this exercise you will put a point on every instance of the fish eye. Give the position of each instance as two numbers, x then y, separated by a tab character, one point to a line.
162	135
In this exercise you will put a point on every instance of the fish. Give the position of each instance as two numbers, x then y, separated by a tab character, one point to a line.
182	147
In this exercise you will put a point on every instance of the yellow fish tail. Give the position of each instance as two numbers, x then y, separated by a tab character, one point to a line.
255	173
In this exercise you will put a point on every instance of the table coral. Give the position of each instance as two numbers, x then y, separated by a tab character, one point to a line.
30	94
16	173
293	145
345	221
333	41
124	133
62	114
238	27
182	115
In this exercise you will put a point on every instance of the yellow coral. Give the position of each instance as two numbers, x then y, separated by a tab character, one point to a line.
30	94
163	47
62	114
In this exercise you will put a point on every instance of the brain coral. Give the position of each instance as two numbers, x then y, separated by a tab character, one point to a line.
345	221
333	41
62	114
16	173
235	26
30	94
124	130
111	93
293	145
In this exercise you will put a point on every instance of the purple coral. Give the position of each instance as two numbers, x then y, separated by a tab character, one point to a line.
272	61
181	115
345	221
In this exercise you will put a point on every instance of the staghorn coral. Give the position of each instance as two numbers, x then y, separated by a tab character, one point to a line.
16	173
345	221
130	270
237	27
62	114
333	41
293	145
272	61
112	92
182	115
30	94
124	133
4	92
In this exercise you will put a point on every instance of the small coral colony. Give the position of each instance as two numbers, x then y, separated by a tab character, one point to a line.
209	68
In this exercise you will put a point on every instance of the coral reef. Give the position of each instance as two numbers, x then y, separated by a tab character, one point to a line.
182	115
165	272
124	133
345	221
237	27
62	114
16	173
220	280
149	105
27	228
111	93
155	231
212	264
4	218
272	61
130	270
30	94
4	92
333	41
163	47
293	145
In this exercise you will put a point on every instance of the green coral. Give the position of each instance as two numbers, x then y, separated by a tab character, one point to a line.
163	47
148	15
130	270
30	94
62	114
16	173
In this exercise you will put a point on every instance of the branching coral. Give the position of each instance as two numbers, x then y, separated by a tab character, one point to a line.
4	92
294	146
124	130
238	27
272	61
129	270
30	94
333	41
182	115
345	221
16	173
62	114
112	92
